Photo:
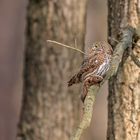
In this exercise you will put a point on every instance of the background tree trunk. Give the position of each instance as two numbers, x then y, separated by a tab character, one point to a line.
124	88
50	109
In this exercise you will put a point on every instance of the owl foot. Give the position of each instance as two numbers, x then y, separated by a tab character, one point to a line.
89	81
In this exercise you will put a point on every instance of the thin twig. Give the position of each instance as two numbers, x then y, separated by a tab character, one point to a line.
110	38
66	46
75	43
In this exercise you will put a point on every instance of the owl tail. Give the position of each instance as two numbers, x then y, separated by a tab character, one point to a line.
75	79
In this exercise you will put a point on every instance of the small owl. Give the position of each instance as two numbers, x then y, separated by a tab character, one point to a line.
94	67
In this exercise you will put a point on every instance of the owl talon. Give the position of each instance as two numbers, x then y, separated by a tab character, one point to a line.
89	81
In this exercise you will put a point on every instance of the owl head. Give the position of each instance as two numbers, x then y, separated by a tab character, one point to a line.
104	47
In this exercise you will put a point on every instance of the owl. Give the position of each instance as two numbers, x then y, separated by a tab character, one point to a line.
94	67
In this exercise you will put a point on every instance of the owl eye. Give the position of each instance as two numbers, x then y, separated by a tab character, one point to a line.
96	45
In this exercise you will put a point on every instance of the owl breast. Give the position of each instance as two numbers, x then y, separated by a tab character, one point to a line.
101	69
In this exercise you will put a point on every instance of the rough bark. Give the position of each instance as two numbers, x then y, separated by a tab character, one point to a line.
124	88
50	109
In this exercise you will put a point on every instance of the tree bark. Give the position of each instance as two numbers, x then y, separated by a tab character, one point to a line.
124	87
49	109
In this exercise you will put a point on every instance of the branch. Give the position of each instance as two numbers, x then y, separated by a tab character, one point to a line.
125	43
66	46
87	115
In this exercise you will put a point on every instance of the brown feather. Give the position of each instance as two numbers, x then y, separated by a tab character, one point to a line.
94	67
96	56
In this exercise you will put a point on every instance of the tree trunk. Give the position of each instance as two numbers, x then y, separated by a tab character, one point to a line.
124	88
50	109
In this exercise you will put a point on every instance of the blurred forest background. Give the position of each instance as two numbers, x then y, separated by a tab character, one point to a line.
12	41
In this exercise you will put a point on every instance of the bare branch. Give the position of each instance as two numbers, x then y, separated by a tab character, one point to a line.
87	115
66	46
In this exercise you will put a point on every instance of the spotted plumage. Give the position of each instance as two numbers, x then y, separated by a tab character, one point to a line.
94	66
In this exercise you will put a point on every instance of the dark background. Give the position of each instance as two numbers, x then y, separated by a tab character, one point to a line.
12	31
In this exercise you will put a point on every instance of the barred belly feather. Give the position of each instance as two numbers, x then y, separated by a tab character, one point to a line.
104	67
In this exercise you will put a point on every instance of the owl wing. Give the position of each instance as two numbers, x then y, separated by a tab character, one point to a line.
90	63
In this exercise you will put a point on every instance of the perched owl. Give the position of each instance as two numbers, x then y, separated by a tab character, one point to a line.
94	67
